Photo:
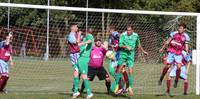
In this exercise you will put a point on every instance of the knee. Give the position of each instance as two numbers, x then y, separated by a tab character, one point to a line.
179	65
5	77
84	76
185	81
168	66
119	69
108	79
169	78
130	71
75	73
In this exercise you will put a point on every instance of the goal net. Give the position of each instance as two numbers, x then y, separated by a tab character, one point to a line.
34	39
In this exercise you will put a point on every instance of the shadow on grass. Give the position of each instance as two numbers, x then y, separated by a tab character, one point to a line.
164	95
98	93
65	94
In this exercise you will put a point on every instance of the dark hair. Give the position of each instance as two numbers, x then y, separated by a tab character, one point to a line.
97	39
130	26
7	33
72	24
182	24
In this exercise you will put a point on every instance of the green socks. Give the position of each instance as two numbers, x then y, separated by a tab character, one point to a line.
76	84
87	86
130	79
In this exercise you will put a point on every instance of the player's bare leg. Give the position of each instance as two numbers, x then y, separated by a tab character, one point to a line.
3	82
108	84
125	77
178	72
168	83
165	69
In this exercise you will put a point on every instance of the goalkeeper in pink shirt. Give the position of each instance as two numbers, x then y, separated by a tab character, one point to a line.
95	65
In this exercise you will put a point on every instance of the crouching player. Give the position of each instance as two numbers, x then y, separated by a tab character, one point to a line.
95	65
5	56
184	71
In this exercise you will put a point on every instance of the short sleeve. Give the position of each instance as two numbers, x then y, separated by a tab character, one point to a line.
72	38
121	39
90	37
189	57
138	41
172	34
187	37
2	44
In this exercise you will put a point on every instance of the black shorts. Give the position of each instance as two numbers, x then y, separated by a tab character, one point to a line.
101	73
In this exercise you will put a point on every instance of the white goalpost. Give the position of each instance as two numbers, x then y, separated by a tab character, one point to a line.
114	11
197	57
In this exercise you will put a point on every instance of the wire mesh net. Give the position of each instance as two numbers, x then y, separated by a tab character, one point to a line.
31	73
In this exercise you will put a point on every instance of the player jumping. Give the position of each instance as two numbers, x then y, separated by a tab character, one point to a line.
178	41
127	42
184	71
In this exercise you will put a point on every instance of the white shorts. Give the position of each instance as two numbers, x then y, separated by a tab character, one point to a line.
4	70
183	74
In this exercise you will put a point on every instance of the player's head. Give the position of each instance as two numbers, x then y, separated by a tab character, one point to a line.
129	29
9	36
181	27
112	29
98	42
74	27
90	30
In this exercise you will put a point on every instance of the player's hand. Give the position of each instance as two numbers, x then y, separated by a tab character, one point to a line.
186	71
114	59
161	50
81	44
79	33
11	63
116	45
128	48
146	53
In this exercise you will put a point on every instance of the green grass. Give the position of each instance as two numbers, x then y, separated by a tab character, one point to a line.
97	96
37	79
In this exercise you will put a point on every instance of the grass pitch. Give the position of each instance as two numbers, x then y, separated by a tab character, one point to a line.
38	79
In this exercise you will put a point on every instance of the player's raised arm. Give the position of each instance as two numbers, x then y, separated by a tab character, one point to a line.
164	45
84	43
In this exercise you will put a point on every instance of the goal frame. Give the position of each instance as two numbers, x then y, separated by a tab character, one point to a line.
143	12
